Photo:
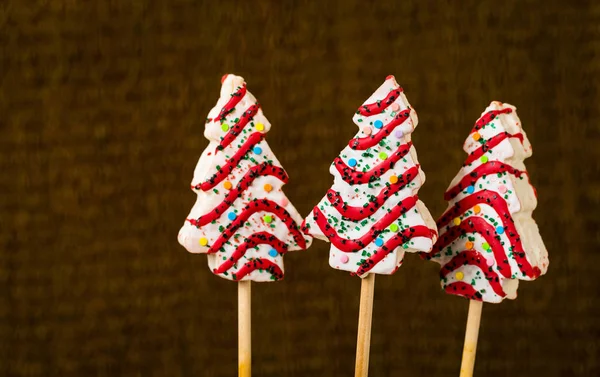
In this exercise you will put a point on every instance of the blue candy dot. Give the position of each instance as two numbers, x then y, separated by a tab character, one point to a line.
378	124
273	253
379	242
499	230
231	216
257	150
470	189
351	162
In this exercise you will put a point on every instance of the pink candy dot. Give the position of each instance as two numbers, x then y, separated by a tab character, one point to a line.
367	130
490	261
399	134
502	189
284	202
395	106
344	258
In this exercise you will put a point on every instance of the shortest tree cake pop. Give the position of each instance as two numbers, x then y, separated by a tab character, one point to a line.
488	239
372	214
241	219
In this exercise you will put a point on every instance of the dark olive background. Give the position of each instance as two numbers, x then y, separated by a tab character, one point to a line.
101	114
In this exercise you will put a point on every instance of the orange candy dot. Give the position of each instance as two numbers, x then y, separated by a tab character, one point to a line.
476	136
476	209
268	187
227	185
393	179
469	245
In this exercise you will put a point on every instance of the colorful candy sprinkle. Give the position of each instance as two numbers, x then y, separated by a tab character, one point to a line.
502	189
456	221
399	134
394	227
268	219
393	179
476	136
383	156
490	260
395	106
469	245
227	185
273	253
344	258
257	150
267	187
225	127
379	242
284	202
471	189
260	126
367	130
352	162
476	209
378	124
203	241
486	246
483	159
231	216
459	275
499	229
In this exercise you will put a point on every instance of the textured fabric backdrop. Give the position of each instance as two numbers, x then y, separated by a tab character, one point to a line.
101	114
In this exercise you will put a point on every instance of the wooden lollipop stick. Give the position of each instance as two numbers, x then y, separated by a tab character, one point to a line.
365	317
470	347
244	329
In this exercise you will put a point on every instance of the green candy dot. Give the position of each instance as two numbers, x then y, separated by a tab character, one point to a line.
485	246
268	219
484	159
224	127
394	227
382	155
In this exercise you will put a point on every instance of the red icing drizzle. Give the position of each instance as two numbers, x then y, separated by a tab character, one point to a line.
353	177
474	258
259	264
235	130
491	167
393	243
372	140
263	169
495	201
236	97
463	289
232	163
255	205
250	242
488	117
348	245
489	144
359	213
379	106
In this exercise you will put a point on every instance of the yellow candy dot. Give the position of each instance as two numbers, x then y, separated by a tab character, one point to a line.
268	187
393	179
456	221
476	136
459	275
469	245
260	126
203	241
227	185
476	209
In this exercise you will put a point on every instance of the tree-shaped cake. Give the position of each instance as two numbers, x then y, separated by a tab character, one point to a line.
372	215
488	239
241	219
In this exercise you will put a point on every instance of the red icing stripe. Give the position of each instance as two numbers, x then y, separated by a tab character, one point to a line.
372	140
489	144
236	97
379	106
235	130
250	242
259	264
473	258
359	213
461	288
499	205
353	177
251	208
398	240
348	245
232	163
488	232
492	167
488	117
261	170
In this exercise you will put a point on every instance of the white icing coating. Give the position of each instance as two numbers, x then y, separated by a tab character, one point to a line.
516	192
210	162
357	194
